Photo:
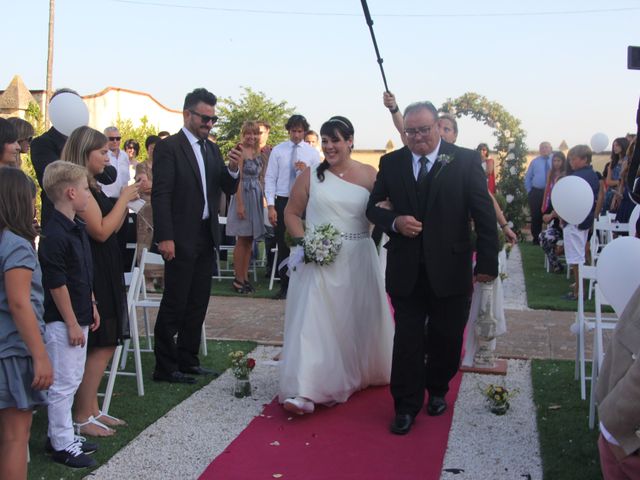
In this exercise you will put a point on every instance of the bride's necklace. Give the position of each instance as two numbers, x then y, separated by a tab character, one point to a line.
341	174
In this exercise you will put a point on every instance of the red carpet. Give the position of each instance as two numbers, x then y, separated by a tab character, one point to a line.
349	441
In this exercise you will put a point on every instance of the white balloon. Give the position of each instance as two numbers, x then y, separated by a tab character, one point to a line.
572	199
633	219
67	112
599	142
618	271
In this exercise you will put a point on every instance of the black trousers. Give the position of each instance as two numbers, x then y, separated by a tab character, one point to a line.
536	196
410	375
283	248
187	287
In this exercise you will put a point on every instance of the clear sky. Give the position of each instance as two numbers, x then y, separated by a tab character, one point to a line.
559	66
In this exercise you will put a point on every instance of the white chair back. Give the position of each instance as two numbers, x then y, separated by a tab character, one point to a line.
602	323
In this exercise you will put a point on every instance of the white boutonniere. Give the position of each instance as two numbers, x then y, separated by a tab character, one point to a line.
444	159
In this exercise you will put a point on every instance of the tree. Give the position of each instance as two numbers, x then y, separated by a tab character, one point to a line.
251	106
33	115
139	133
510	146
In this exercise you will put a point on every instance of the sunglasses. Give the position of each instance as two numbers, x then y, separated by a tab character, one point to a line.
205	118
114	139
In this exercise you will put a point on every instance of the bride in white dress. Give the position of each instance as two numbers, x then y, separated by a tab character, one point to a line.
338	333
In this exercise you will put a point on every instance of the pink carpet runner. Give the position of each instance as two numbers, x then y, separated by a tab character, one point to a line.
349	441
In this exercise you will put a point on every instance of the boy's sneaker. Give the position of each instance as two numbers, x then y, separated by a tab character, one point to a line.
73	457
87	447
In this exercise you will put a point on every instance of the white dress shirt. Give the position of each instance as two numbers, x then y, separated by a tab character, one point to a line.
121	164
277	179
432	157
193	140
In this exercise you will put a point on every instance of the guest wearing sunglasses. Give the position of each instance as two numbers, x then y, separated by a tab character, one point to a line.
120	160
189	175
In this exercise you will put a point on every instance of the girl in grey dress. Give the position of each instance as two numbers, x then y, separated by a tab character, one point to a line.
25	369
245	218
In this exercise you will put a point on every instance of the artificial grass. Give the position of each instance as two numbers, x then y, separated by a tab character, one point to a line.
139	412
545	290
568	448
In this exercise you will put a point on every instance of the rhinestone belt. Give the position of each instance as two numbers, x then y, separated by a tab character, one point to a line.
354	236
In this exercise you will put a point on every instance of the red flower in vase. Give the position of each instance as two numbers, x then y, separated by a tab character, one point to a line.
251	363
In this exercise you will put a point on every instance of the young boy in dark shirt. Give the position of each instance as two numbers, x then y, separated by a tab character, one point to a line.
70	310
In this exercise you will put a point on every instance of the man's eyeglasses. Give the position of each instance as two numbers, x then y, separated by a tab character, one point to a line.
205	118
412	132
114	139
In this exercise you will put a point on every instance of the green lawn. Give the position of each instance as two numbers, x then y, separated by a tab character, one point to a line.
545	290
569	449
224	288
139	412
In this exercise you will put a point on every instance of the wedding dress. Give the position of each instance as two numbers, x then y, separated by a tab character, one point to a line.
338	332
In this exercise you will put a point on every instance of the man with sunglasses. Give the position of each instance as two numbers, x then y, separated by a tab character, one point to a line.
189	175
120	160
435	188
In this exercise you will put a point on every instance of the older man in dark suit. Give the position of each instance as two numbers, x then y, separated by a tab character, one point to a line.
435	189
188	177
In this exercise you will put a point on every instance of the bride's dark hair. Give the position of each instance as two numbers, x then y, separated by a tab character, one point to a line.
336	128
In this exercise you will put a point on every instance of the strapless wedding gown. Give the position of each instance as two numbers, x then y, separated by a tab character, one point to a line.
338	335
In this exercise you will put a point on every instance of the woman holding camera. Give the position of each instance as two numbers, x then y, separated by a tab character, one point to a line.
245	218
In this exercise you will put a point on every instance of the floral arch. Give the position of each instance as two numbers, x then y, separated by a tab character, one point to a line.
509	145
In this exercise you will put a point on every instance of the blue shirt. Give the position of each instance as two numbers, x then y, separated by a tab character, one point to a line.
589	175
536	176
65	256
17	252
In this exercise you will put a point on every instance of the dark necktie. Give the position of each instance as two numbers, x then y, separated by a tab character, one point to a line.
203	152
422	173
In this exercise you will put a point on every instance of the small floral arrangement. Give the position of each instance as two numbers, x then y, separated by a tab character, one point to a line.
321	244
498	397
241	365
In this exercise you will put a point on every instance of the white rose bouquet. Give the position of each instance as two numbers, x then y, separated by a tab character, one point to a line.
321	244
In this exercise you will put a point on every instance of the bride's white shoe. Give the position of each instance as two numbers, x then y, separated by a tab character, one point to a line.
298	405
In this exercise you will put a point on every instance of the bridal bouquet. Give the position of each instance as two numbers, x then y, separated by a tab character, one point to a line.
321	244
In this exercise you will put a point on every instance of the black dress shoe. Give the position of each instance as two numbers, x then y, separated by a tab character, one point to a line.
436	406
401	424
199	371
173	377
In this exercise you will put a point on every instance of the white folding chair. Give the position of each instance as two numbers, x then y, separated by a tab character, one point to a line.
134	247
584	324
115	360
146	302
602	323
274	267
227	271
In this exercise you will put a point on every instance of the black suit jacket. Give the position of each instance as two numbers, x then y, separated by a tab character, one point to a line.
177	198
457	193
